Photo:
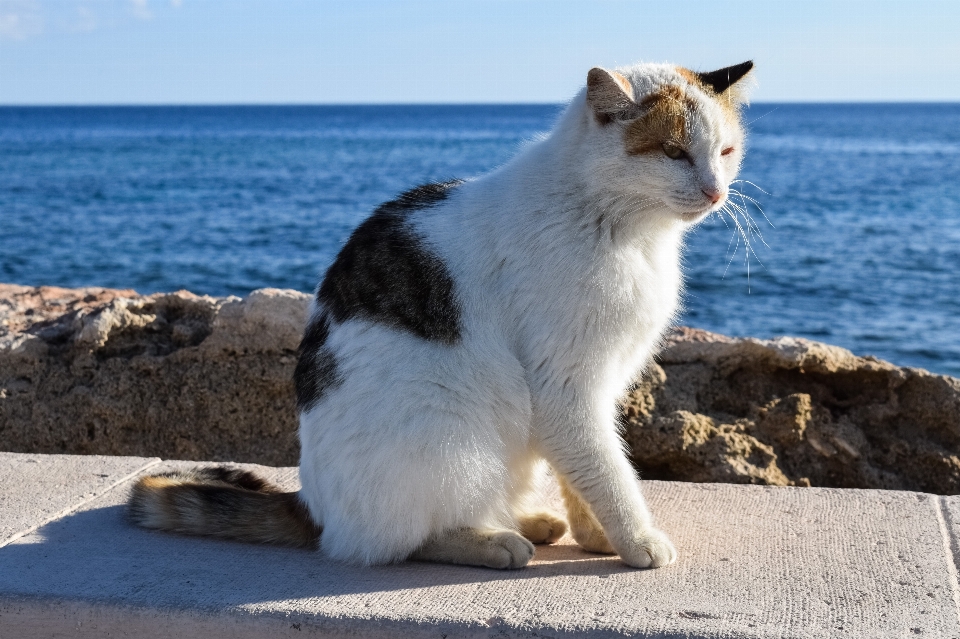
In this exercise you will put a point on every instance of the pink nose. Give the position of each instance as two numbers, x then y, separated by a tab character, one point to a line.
712	194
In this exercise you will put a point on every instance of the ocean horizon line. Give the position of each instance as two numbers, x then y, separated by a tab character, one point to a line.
203	105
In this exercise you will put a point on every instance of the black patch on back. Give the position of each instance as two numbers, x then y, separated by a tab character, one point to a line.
316	369
385	274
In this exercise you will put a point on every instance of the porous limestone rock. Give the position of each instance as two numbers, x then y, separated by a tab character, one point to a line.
791	411
181	376
173	375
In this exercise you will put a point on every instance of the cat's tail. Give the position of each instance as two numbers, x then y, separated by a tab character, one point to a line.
223	502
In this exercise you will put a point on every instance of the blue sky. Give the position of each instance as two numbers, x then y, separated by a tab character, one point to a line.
293	51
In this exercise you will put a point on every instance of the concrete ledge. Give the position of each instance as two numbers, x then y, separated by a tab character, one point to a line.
754	562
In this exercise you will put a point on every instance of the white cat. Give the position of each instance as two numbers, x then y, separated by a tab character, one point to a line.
470	333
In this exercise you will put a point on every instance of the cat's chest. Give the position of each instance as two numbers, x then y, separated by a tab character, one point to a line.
605	326
636	290
618	302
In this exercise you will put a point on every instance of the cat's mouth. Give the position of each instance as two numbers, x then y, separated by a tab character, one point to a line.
696	216
692	211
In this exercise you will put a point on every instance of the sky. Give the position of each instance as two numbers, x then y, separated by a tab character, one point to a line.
450	51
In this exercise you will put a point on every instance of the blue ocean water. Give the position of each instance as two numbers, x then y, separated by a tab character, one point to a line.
862	247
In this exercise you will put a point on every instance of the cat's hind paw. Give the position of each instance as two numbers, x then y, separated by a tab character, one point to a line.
593	539
542	527
651	550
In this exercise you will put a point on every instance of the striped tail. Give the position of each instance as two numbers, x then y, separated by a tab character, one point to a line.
223	502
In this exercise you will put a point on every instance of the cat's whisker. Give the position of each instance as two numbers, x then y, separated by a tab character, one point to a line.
748	182
720	214
733	236
745	197
744	229
751	225
747	249
744	200
762	116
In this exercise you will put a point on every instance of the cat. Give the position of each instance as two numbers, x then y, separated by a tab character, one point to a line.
471	334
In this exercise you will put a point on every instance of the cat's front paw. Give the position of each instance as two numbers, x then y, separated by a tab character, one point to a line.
507	550
652	549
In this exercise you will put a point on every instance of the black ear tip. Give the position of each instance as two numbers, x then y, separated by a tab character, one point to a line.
721	79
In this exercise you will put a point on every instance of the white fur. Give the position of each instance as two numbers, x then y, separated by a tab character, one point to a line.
566	265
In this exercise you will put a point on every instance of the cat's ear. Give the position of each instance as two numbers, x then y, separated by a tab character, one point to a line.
722	79
610	95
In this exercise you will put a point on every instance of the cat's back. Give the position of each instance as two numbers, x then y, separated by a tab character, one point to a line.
397	290
388	273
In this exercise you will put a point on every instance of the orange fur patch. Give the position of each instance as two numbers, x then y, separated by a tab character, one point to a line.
665	120
623	82
729	100
690	77
154	482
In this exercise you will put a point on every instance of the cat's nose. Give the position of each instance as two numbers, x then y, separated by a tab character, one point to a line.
712	194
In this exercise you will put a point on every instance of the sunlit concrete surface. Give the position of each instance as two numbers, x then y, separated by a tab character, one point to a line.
754	562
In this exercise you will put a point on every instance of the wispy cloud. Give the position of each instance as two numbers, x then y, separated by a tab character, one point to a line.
23	19
20	19
82	20
140	10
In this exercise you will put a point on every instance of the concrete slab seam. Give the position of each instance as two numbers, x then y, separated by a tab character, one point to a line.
950	547
66	511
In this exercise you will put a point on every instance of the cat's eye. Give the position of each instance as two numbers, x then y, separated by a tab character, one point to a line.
674	152
727	151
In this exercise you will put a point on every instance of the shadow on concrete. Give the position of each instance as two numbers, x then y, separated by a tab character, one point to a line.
99	553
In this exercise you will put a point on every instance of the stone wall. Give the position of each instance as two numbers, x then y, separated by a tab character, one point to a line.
187	377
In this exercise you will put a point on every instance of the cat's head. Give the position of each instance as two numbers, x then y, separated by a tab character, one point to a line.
669	134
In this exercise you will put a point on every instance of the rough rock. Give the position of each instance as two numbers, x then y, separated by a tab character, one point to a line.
792	412
175	375
99	371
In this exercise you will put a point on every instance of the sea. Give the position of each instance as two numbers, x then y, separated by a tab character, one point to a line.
850	230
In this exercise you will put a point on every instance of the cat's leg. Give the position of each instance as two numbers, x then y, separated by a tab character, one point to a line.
475	547
528	478
541	527
579	439
584	527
